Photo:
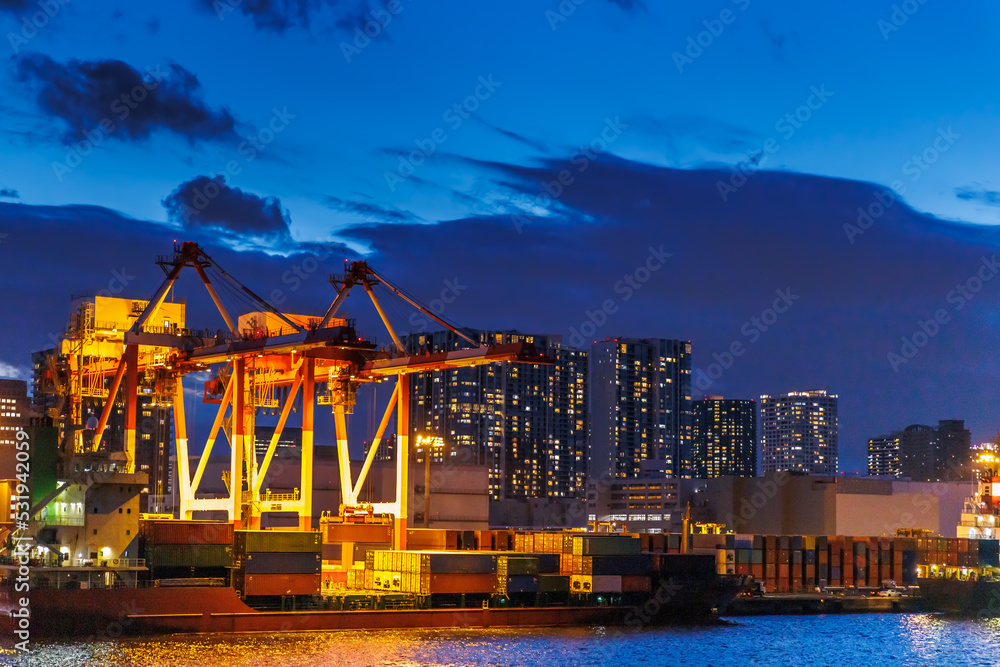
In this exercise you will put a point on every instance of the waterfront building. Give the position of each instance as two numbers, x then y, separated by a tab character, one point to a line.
527	423
640	408
725	437
15	411
799	432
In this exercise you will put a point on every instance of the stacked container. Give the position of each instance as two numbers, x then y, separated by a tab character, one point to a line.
187	548
277	563
428	573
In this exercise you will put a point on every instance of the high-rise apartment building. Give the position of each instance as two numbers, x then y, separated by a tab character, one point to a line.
526	422
14	416
799	432
640	407
725	437
883	455
934	454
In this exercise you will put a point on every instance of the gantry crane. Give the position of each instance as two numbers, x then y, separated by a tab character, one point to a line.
262	365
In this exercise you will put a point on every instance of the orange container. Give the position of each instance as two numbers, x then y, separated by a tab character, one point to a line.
462	583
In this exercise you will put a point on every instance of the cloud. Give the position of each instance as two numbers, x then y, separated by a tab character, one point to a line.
203	202
629	5
85	94
280	15
778	40
13	5
520	138
680	130
12	372
8	193
371	211
988	197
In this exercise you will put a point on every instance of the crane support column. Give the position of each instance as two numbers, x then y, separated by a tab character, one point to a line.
131	403
308	409
236	459
402	461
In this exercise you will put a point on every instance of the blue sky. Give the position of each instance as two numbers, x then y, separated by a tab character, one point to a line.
831	103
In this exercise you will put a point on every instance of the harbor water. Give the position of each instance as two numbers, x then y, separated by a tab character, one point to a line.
862	639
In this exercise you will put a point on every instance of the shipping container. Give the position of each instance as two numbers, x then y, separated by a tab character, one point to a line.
187	532
553	583
199	555
280	563
600	565
634	584
513	566
460	583
277	584
605	545
350	532
517	584
250	541
332	552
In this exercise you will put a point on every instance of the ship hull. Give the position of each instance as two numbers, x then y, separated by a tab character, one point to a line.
97	614
964	598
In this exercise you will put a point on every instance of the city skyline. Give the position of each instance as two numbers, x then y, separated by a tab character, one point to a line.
804	219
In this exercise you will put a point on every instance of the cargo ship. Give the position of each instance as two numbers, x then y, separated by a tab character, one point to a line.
970	586
272	581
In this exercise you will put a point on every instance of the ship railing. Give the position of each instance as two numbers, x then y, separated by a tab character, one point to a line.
109	562
271	497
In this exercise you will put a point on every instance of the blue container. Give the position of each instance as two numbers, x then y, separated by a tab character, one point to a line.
522	584
282	563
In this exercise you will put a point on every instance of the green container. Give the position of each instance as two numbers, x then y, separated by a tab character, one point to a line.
553	583
195	555
513	566
275	541
610	545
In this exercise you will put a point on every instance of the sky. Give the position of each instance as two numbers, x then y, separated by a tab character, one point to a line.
813	184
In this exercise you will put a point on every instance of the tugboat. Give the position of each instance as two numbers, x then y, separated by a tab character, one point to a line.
972	589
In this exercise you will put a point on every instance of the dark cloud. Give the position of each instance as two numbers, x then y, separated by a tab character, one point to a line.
778	40
706	132
203	202
8	193
629	5
281	15
371	211
988	197
520	138
153	26
13	5
122	102
855	302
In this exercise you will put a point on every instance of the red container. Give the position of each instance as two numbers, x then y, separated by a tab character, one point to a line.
462	583
159	533
278	584
636	584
